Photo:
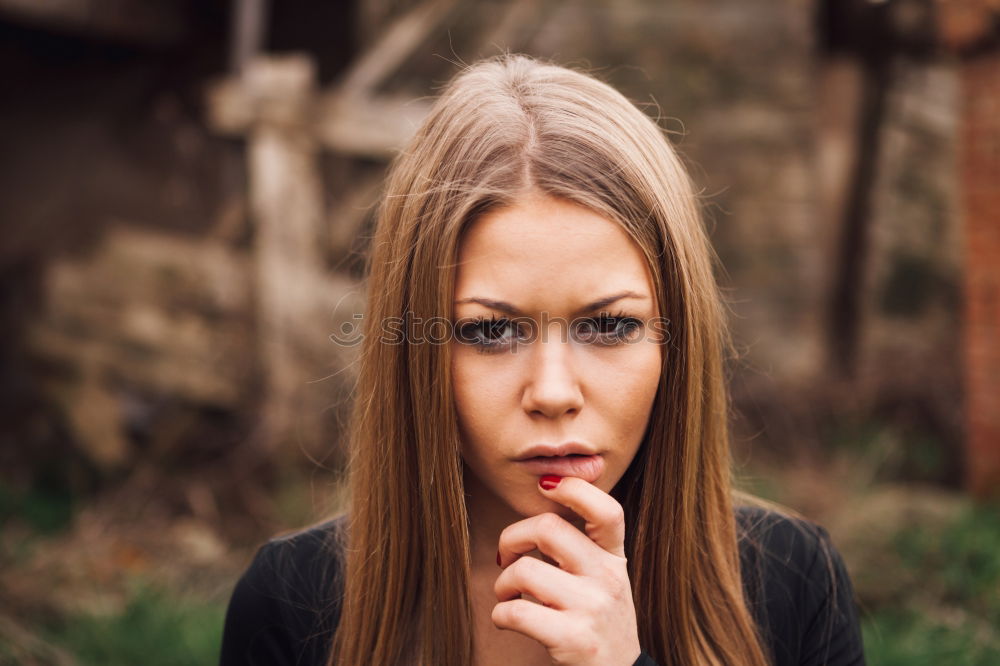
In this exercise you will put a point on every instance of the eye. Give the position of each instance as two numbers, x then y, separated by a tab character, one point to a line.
488	335
606	329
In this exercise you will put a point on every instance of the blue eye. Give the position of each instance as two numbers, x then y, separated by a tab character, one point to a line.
487	334
606	329
499	333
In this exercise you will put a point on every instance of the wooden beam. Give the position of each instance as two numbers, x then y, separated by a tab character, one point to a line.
368	127
373	127
249	19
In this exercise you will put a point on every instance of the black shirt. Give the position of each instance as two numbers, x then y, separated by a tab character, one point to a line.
285	606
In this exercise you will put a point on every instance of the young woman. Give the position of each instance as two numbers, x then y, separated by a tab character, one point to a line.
539	453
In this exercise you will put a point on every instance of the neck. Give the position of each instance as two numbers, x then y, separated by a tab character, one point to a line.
488	516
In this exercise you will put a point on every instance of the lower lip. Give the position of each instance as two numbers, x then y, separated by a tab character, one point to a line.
588	468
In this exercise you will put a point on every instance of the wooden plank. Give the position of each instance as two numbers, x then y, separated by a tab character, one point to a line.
249	19
368	127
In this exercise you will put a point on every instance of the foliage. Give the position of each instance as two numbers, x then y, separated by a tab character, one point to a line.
953	617
153	629
909	638
46	508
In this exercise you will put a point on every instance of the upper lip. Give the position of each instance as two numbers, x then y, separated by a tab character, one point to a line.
551	450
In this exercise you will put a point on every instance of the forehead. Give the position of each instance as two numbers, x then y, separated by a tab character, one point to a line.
543	246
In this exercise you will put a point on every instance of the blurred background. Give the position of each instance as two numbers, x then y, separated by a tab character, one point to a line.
186	196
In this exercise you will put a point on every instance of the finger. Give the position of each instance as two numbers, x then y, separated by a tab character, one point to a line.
553	536
604	516
552	586
548	626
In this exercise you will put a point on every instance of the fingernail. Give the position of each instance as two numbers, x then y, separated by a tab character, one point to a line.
549	481
498	558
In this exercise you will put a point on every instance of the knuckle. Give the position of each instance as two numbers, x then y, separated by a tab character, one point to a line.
594	604
516	575
525	565
510	614
616	516
589	647
586	641
614	589
549	522
517	571
499	615
501	583
609	570
619	592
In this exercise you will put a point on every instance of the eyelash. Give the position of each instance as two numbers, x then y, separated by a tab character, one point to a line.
472	332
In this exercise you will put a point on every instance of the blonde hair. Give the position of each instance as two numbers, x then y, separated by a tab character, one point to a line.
503	128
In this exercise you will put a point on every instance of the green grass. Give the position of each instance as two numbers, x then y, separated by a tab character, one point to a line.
953	616
46	509
961	564
154	629
909	638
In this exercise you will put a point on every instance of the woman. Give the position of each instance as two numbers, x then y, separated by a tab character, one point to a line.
539	457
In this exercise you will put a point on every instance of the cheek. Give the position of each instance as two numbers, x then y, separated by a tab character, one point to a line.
632	383
637	371
481	392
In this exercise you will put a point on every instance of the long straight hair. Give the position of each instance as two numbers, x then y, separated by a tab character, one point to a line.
503	128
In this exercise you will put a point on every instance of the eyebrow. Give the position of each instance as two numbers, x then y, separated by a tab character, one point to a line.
506	307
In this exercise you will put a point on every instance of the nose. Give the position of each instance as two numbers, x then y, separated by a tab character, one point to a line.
552	388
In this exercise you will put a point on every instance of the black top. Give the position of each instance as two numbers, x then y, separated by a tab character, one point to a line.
285	607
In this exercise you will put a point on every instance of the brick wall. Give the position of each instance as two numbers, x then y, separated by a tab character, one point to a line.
980	164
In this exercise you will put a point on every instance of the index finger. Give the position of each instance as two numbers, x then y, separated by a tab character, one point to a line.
604	516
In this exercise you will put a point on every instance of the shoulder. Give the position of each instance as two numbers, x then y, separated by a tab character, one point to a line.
779	538
307	553
797	588
286	604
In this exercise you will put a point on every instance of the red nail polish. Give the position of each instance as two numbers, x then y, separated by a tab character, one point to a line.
498	558
549	481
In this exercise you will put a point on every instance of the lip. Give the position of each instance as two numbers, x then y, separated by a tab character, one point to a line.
587	467
555	450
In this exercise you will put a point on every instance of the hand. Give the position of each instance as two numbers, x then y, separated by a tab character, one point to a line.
586	616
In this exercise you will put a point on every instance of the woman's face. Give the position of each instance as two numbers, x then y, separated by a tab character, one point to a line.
566	357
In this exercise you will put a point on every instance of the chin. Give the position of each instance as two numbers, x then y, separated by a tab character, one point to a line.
539	505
